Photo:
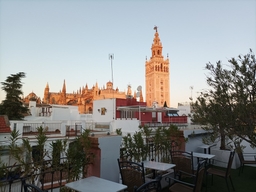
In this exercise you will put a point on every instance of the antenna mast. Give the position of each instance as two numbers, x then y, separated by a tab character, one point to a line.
191	97
111	57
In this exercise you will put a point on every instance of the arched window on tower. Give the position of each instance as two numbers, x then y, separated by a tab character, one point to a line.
158	52
161	67
155	68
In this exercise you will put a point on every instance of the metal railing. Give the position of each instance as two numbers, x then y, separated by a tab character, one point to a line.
74	130
98	126
47	176
149	151
29	128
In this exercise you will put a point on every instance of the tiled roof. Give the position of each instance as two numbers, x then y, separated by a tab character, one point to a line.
4	124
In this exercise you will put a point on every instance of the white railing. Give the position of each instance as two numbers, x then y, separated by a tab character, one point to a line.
49	127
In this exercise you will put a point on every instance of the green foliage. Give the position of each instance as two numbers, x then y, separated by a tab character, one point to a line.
228	108
57	148
119	131
22	152
12	105
16	151
39	149
137	147
134	146
79	155
31	158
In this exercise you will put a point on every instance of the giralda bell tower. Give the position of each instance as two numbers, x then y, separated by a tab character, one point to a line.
157	75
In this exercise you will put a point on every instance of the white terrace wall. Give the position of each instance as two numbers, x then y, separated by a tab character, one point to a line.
126	126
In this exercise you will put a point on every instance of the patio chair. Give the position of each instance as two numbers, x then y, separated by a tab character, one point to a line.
196	186
184	163
245	162
32	188
223	173
132	174
151	186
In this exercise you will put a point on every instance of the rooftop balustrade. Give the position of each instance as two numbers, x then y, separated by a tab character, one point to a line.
61	129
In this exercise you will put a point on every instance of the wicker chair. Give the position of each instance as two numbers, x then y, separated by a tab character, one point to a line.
132	174
151	186
184	163
221	173
245	162
196	186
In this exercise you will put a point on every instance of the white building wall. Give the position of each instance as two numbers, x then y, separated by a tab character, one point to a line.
109	105
110	152
60	114
184	110
127	126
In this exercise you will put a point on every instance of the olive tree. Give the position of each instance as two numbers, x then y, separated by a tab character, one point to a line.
228	108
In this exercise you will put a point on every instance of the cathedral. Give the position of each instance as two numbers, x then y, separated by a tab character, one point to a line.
157	86
83	98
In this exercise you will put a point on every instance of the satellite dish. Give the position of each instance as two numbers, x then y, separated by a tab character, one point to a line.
139	88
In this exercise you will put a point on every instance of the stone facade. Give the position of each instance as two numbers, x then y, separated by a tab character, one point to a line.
84	97
157	76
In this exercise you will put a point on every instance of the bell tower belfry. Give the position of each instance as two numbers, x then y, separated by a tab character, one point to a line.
157	75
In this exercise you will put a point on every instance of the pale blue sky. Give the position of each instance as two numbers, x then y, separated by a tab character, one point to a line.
71	39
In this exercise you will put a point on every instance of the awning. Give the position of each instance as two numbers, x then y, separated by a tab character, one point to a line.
146	109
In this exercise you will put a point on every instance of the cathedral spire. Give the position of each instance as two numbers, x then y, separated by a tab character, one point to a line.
64	87
46	94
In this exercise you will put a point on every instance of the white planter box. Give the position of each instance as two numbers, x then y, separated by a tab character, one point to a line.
222	156
164	183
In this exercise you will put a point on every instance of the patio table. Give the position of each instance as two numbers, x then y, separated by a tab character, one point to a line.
203	155
95	184
207	147
159	166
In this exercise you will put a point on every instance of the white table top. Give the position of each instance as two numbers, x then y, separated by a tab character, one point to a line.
158	165
95	184
207	146
203	155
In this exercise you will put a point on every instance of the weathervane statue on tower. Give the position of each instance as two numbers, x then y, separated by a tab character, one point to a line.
155	28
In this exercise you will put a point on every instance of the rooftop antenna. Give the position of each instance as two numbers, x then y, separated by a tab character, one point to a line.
191	97
111	57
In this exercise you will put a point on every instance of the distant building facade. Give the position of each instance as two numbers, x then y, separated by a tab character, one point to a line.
157	75
83	98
